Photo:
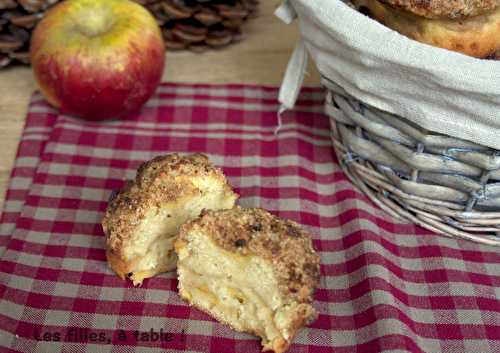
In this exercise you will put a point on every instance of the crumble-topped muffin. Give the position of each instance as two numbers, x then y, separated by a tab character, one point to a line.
452	9
143	219
250	270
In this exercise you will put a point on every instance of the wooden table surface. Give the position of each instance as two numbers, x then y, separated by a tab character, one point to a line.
260	59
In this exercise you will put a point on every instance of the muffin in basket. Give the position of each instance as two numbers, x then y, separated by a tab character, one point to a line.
467	26
250	270
142	221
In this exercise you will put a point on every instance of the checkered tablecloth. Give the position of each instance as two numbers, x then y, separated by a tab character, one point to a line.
385	285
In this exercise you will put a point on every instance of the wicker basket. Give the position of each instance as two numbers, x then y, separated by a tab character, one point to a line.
441	183
434	160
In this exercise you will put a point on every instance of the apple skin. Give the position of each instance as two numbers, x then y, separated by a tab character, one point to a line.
97	59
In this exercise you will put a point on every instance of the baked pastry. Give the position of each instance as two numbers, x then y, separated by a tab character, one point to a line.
250	270
142	220
467	26
453	9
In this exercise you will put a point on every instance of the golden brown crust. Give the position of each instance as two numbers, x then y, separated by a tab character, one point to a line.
219	318
280	345
283	243
476	36
160	180
452	9
125	269
121	268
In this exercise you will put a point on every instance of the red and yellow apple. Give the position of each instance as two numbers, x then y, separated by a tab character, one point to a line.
97	59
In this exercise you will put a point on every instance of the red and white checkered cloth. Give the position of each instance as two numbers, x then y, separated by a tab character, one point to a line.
385	286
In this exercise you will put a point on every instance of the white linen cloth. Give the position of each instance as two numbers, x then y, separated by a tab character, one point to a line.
440	90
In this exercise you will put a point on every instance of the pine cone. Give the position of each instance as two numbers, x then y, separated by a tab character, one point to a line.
200	24
17	20
186	24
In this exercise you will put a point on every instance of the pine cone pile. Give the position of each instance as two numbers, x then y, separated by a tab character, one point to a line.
201	24
17	20
187	24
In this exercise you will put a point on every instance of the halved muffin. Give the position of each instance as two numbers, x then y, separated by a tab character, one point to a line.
142	221
250	270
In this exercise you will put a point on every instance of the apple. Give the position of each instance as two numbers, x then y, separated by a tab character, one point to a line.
97	59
